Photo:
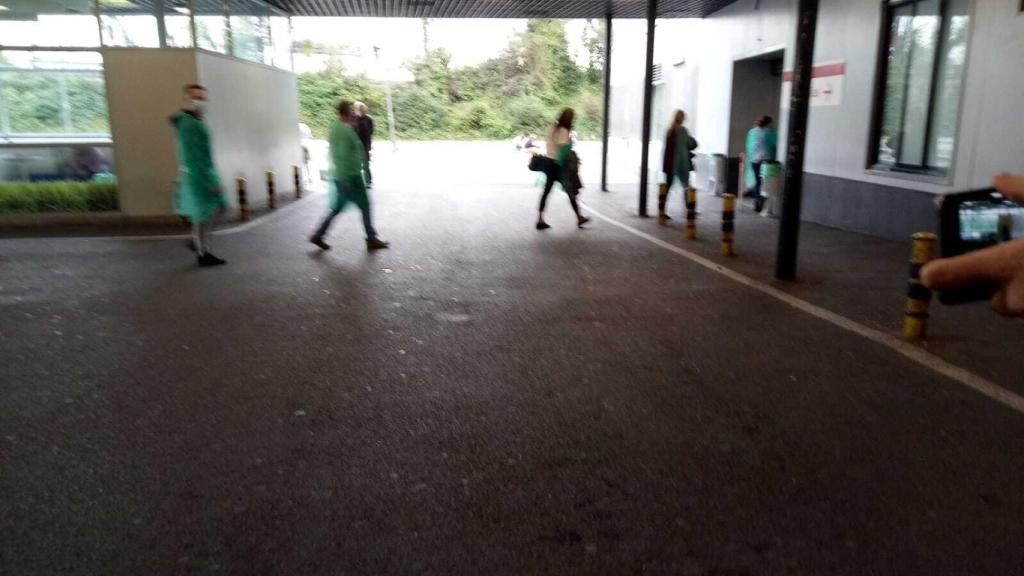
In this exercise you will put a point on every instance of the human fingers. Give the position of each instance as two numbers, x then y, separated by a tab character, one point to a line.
1010	185
984	267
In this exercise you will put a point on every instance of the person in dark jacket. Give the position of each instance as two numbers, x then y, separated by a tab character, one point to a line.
677	162
363	124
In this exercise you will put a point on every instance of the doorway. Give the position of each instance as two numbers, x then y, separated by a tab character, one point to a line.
756	92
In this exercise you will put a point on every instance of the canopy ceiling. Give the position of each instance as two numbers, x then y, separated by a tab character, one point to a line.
500	8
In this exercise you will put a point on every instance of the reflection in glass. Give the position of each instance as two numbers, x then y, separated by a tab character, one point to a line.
924	74
281	37
47	94
250	30
947	98
70	23
211	25
177	23
62	178
128	23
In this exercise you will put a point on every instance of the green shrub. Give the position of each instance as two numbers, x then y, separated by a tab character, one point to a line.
38	197
476	119
530	114
419	113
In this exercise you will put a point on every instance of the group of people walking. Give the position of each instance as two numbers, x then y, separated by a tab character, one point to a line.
200	196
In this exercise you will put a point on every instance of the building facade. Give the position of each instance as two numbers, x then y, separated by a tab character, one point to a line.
913	98
87	86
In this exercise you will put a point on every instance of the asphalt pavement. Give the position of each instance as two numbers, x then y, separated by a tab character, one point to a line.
484	398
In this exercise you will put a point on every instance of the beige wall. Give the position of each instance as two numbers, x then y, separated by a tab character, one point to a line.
254	120
143	90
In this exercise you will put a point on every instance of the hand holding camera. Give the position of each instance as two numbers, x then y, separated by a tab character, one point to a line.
983	247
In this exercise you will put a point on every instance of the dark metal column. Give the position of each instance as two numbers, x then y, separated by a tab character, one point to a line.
645	149
799	101
607	99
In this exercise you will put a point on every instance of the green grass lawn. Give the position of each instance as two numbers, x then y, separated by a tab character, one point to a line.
38	197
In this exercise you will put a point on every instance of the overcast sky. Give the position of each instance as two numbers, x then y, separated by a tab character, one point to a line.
470	41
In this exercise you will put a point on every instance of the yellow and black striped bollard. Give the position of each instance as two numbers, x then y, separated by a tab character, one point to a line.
915	316
728	224
271	193
243	199
662	198
297	177
691	213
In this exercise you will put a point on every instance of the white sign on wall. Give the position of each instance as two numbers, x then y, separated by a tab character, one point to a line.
827	81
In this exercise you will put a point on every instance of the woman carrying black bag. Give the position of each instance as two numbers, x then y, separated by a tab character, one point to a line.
561	165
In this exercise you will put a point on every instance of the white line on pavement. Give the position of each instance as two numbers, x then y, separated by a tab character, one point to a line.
906	349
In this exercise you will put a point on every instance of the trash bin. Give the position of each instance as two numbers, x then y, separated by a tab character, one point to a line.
718	177
733	171
771	187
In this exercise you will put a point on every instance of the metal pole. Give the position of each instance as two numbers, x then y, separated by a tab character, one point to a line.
799	102
192	23
645	149
389	103
607	99
161	26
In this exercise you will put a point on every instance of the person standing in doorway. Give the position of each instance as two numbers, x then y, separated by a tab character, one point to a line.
346	158
364	128
762	141
199	195
562	166
677	162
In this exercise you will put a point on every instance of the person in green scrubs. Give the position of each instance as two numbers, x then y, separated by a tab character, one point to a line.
199	196
762	141
346	176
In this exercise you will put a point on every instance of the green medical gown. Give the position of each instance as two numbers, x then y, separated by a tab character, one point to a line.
199	196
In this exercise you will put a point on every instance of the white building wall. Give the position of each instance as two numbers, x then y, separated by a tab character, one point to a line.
253	118
989	138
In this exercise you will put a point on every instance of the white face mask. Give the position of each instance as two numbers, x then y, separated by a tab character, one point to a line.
199	106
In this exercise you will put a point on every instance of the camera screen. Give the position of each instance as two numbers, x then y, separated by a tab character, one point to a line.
986	223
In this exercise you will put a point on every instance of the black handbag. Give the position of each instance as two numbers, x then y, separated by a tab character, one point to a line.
537	163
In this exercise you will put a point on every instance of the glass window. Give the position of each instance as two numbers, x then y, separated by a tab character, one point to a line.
923	72
52	94
129	23
177	23
281	37
70	23
211	25
70	177
250	30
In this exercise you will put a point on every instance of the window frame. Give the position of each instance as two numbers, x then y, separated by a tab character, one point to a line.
887	11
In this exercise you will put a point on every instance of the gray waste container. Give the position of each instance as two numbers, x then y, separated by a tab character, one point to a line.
718	178
771	187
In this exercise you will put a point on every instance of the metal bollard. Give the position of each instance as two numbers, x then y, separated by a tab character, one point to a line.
243	199
297	178
915	316
662	197
691	213
728	224
271	195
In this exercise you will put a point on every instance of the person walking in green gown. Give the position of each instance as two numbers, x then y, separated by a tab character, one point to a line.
346	176
762	140
199	196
